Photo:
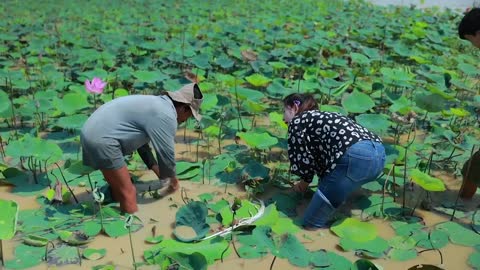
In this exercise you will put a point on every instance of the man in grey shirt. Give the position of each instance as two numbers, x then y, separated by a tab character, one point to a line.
130	123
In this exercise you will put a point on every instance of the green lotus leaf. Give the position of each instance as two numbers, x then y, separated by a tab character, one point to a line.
76	167
210	101
224	61
190	224
402	242
245	93
437	239
149	76
430	102
258	140
458	234
76	238
63	255
183	167
277	119
71	103
378	123
426	181
26	256
258	80
255	171
474	260
363	264
91	228
94	254
425	267
354	229
40	149
154	239
375	246
357	102
35	240
402	255
360	58
75	121
212	249
117	228
4	101
8	219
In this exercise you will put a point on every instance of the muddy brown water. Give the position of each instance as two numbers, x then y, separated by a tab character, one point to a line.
118	250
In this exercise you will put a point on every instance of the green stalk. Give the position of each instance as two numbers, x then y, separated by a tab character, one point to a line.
1	253
131	247
66	183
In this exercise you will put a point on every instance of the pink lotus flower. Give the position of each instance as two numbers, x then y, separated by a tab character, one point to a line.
95	86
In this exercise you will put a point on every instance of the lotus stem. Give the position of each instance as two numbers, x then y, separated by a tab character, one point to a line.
433	248
273	261
385	187
242	222
1	253
65	181
238	104
131	247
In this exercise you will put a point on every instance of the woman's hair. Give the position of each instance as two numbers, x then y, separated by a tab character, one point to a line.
305	102
470	23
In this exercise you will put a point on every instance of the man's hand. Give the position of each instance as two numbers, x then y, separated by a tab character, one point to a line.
301	186
174	183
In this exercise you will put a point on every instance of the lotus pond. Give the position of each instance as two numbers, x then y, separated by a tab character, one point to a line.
401	72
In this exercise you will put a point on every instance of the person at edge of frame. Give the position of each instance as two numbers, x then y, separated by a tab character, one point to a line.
469	29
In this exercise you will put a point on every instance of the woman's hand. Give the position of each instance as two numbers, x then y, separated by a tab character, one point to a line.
301	186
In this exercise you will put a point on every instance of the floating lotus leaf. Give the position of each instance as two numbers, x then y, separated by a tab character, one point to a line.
458	234
258	140
25	257
293	250
35	240
320	258
426	181
154	239
364	264
376	246
402	242
192	215
91	228
94	254
474	260
212	249
187	170
117	228
8	219
402	255
75	238
357	102
63	255
354	229
437	239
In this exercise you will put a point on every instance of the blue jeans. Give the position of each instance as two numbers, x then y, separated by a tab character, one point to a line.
361	163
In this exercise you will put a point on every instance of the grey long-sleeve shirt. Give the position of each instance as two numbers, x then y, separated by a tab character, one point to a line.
136	120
